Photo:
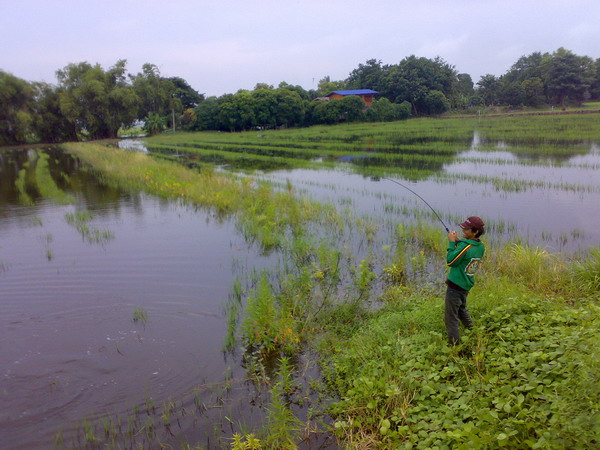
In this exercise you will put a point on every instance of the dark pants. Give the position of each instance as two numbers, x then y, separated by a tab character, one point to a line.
456	309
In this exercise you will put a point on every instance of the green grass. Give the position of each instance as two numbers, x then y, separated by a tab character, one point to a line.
531	379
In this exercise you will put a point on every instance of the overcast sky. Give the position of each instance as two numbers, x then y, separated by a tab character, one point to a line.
221	46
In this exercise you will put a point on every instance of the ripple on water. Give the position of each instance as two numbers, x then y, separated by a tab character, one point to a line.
70	348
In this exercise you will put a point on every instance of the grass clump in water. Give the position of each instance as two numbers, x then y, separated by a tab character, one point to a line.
269	325
80	220
140	315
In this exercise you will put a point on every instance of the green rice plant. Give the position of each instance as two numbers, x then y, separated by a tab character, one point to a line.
140	315
80	220
167	411
395	273
364	278
89	433
264	215
283	427
405	143
246	442
286	385
230	339
327	269
59	440
266	327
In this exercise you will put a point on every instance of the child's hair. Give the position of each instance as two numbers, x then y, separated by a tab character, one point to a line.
478	231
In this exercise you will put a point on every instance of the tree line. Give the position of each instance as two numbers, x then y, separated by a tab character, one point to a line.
89	102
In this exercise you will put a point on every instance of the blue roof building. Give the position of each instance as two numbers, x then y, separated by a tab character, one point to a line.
366	94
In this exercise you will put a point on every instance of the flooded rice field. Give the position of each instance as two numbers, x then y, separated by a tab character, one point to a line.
114	304
119	315
542	200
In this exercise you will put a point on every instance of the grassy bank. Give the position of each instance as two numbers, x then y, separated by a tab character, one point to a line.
527	376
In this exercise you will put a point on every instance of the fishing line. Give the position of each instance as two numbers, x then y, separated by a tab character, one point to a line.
424	201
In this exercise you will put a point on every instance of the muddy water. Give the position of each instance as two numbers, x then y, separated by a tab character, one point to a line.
69	346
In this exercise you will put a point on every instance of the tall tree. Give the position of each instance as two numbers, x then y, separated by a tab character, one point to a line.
304	94
366	76
435	102
326	86
511	93
153	91
488	88
207	114
533	91
49	123
527	67
413	78
595	81
351	108
97	102
189	97
463	91
16	96
265	107
567	79
236	112
290	108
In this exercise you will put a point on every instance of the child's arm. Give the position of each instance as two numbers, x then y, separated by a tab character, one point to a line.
456	250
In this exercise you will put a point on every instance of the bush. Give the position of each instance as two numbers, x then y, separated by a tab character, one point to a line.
436	103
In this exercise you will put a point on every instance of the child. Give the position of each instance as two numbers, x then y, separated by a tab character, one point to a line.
464	257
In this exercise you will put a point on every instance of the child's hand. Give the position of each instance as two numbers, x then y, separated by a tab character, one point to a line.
452	236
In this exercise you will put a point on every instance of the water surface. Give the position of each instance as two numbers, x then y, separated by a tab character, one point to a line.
70	348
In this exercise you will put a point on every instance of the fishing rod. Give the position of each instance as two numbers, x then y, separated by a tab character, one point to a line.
409	189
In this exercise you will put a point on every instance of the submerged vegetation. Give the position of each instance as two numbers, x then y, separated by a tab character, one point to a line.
92	235
365	295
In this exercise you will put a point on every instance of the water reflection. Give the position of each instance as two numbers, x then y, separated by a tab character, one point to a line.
23	174
132	144
70	348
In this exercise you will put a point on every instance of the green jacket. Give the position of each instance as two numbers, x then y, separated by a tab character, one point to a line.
463	259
